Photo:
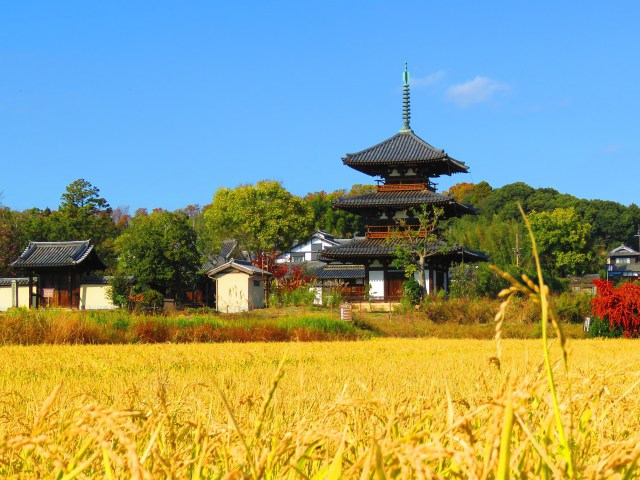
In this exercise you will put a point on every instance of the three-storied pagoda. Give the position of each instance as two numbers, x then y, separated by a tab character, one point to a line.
405	166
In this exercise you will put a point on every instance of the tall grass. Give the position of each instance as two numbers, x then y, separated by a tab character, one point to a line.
392	408
28	327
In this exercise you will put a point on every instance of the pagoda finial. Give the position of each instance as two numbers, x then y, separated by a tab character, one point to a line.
406	107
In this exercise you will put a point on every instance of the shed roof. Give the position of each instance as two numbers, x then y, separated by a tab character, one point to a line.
245	267
59	254
404	149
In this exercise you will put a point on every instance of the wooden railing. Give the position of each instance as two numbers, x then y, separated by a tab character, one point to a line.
394	231
401	187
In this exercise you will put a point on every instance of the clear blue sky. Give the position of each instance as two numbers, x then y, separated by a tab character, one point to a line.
160	103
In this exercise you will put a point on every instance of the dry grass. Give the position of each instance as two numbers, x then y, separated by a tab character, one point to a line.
407	408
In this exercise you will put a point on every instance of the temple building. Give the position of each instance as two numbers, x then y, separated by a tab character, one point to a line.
404	167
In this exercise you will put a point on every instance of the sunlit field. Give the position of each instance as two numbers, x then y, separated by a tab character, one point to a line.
409	408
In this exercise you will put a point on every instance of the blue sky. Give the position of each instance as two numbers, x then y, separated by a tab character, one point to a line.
160	103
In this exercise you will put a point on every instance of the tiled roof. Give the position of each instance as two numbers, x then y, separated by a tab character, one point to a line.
6	282
58	254
332	272
246	267
383	247
227	248
402	200
623	251
405	148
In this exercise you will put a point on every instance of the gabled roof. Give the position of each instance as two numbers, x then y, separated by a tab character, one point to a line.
227	248
59	254
404	149
623	251
245	267
403	200
386	248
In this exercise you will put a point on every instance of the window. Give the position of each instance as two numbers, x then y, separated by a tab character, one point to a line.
623	261
256	283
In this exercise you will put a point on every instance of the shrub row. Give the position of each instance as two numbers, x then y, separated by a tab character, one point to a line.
28	327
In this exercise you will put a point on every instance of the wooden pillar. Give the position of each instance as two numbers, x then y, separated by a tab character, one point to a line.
70	289
30	295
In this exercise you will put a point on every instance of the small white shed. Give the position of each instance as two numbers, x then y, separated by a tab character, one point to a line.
239	286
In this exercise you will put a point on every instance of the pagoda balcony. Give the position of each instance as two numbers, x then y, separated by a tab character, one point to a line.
394	231
405	187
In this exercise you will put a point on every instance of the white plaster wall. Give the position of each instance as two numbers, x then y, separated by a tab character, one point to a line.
376	280
6	300
94	297
305	248
232	292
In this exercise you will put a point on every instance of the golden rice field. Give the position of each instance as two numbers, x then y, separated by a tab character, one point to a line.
382	408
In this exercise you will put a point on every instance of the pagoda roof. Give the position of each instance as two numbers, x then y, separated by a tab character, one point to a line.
386	248
402	200
59	255
404	149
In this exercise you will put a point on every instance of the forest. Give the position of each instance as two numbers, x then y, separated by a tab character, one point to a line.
167	249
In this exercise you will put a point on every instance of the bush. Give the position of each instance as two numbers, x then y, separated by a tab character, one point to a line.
620	306
602	328
473	281
148	300
121	288
411	292
332	298
303	295
573	307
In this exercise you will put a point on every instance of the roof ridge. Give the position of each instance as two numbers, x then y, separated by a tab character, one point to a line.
397	135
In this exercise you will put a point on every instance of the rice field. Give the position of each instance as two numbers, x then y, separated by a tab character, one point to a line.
379	408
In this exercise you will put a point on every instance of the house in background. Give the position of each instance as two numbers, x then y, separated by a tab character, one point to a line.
240	286
623	263
59	268
311	249
57	275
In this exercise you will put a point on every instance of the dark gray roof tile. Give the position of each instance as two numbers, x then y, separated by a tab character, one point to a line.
402	200
58	254
405	148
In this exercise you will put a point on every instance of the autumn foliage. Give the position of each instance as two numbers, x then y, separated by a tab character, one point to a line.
620	306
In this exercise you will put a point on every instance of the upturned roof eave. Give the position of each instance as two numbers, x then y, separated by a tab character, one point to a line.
88	256
435	155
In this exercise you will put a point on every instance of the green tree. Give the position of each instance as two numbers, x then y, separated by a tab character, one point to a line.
10	242
337	222
264	217
562	241
84	214
160	251
415	241
501	239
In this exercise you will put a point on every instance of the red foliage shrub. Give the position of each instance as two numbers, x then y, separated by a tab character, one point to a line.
619	306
